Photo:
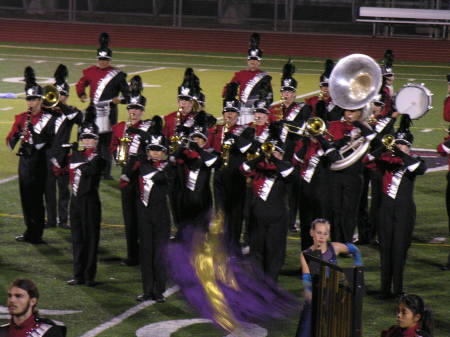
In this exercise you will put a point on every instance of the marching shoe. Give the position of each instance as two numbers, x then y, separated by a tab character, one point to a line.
74	282
144	297
159	298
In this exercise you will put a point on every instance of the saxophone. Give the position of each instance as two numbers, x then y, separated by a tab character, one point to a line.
175	140
124	145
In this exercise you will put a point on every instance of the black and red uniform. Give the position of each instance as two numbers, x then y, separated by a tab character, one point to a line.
397	215
388	99
130	189
171	123
104	84
368	217
195	201
444	150
58	172
324	108
154	178
446	110
33	326
229	183
85	212
346	184
295	114
32	167
313	159
268	212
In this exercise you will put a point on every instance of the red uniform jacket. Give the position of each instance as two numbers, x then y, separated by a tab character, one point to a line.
242	77
444	150
39	121
119	131
447	109
170	123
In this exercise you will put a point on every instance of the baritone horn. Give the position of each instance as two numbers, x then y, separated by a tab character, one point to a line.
354	83
50	96
313	127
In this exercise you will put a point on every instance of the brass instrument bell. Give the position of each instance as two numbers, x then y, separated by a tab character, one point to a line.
388	142
267	148
50	96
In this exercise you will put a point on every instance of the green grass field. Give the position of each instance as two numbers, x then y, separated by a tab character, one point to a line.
50	265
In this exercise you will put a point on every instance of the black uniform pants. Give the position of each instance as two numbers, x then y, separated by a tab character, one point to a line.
313	203
154	233
267	233
56	204
229	195
85	217
368	217
32	177
447	200
104	142
397	219
130	218
345	197
293	188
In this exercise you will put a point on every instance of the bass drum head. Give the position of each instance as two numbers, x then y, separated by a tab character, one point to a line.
413	100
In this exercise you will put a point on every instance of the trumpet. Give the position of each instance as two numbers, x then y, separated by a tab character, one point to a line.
388	142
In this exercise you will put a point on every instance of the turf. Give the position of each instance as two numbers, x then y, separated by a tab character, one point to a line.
49	265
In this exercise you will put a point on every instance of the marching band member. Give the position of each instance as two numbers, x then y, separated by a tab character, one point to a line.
58	173
292	113
322	105
368	218
250	81
105	82
154	175
86	166
128	139
446	111
444	150
194	163
313	155
398	210
268	210
346	184
34	128
231	140
189	94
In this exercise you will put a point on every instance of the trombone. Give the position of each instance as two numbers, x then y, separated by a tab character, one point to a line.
314	126
50	96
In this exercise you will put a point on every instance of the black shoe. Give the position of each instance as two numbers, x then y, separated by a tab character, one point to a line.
107	177
129	262
293	229
64	225
159	298
75	282
143	297
375	243
445	268
21	238
91	283
361	242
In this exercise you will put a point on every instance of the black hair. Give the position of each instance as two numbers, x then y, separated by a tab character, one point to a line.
29	286
416	304
319	220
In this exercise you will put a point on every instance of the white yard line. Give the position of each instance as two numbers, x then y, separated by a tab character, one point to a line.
123	316
11	178
192	55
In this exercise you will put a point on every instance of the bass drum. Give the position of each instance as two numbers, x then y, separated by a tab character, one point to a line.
414	100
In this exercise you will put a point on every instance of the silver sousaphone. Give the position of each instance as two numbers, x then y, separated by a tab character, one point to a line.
354	83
